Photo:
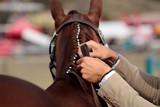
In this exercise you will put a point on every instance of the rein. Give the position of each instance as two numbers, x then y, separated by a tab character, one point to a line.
52	63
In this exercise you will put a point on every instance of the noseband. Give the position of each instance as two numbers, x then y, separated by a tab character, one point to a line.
52	43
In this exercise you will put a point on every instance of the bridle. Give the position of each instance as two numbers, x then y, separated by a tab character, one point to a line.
52	63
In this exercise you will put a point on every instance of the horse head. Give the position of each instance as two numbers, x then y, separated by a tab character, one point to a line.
72	30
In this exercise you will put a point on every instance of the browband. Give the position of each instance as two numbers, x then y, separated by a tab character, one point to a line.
79	21
97	31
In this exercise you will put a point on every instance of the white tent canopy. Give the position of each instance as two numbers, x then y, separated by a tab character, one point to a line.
114	29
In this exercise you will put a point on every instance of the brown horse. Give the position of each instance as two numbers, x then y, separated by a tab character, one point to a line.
69	89
15	92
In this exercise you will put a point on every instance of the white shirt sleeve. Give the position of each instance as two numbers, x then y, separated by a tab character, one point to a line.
110	73
106	77
116	62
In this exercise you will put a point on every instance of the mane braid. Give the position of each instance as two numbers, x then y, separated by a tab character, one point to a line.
79	35
71	69
74	56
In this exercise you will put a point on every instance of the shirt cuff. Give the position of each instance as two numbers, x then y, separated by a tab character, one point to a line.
106	77
116	62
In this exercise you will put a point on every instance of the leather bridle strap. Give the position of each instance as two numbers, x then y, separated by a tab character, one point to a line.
98	32
79	21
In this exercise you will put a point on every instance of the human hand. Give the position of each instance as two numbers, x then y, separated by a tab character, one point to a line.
92	69
97	50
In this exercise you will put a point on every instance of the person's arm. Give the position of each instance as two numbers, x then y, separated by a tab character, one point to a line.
118	93
146	85
113	89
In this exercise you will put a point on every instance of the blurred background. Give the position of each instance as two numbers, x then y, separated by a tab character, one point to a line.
131	27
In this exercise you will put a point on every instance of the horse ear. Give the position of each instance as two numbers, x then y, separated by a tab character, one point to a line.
57	12
95	11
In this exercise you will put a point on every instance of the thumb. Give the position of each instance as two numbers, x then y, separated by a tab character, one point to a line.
93	54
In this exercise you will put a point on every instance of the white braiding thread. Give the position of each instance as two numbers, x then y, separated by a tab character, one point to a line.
77	36
78	43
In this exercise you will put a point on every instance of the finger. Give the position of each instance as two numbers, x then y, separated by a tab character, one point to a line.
80	52
83	71
78	67
93	54
79	61
84	76
89	44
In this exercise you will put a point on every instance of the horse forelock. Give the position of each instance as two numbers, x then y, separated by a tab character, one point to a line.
73	12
